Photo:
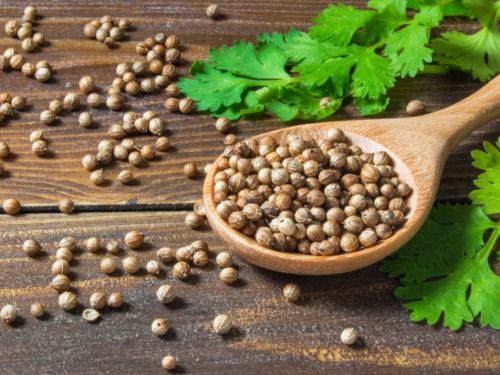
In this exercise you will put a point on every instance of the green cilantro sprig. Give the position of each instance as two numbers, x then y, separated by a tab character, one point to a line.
348	52
444	270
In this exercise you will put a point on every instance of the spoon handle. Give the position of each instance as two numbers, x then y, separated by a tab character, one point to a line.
468	114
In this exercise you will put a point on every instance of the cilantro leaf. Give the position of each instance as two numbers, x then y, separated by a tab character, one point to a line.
338	23
478	53
373	75
483	9
487	193
446	259
369	107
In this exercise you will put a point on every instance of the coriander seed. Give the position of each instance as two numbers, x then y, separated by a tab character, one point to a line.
148	152
166	255
115	102
165	294
160	327
36	135
8	313
90	315
190	170
60	283
212	11
131	264
415	108
97	300
168	362
85	120
135	159
47	117
93	244
113	247
172	90
134	239
200	258
162	144
40	147
18	103
349	336
125	176
66	206
56	106
193	220
97	177
65	254
224	259
181	270
60	267
171	104
69	242
222	324
37	310
67	301
153	267
71	101
11	206
108	265
186	105
223	125
31	247
94	100
115	300
228	275
291	292
4	150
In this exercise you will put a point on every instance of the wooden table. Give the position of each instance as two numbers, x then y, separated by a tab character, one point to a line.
272	337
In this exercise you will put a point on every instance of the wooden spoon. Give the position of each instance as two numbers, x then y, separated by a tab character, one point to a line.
419	147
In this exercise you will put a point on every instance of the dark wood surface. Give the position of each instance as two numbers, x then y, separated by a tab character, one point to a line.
271	336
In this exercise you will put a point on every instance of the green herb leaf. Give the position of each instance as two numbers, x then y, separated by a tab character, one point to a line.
373	75
487	193
445	260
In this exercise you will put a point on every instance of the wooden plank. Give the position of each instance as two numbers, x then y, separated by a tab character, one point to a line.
271	336
193	136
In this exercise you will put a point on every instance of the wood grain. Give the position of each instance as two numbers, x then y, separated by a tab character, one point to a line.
193	136
271	336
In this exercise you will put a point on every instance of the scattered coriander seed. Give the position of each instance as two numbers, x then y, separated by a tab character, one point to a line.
116	131
28	69
193	220
291	292
97	177
40	147
148	152
8	313
115	102
153	267
165	294
31	247
135	158
94	100
415	107
169	362
166	255
223	125
228	275
224	259
11	206
89	162
47	117
186	105
190	170
162	144
17	61
125	176
65	254
108	265
230	139
37	310
36	135
67	301
349	336
71	101
68	242
222	324
160	327
200	258
184	253
90	315
181	270
131	264
115	300
93	244
39	39
113	247
171	104
212	11
66	206
85	120
97	300
11	27
172	90
60	267
56	106
4	150
134	239
18	103
60	283
28	44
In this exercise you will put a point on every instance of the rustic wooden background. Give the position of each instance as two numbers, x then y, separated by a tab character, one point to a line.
271	336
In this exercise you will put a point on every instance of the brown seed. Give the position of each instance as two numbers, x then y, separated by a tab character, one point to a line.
16	62
71	101
42	74
181	270
115	300
93	244
67	301
200	258
166	255
97	177
86	84
148	152
222	324
193	220
172	90
162	144
349	242
97	301
291	292
172	55
153	267
60	267
68	242
66	206
56	106
85	120
125	176
169	362
108	265
212	11
190	170
65	254
90	30
115	102
32	247
11	206
223	125
60	283
18	103
228	275
134	239
37	310
224	259
131	264
415	107
89	162
4	150
47	117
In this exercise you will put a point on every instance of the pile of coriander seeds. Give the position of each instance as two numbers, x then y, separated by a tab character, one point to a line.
319	197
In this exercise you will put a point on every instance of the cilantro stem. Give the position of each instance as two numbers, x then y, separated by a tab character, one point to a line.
435	69
492	240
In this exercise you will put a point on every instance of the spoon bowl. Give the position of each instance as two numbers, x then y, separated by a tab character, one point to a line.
418	146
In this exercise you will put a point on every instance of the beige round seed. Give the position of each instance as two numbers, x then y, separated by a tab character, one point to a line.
36	135
31	247
291	292
169	362
11	206
107	265
115	300
93	244
228	275
97	177
60	283
160	327
193	220
222	324
69	242
415	107
166	255
134	239
131	264
56	106
162	144
94	100
125	176
40	147
186	105
37	310
42	74
85	120
200	258
224	259
349	336
65	254
71	101
60	267
90	315
181	270
97	300
153	267
115	102
8	313
67	301
190	170
89	162
212	11
18	103
66	206
165	294
47	117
